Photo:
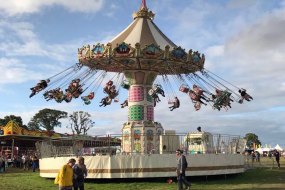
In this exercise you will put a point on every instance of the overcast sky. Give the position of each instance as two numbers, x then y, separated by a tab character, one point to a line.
243	41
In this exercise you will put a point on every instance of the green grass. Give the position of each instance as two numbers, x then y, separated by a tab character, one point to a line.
260	176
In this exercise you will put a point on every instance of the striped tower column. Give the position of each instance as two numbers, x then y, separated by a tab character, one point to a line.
140	132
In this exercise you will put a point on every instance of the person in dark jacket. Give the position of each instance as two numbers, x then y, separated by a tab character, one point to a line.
277	157
181	167
79	174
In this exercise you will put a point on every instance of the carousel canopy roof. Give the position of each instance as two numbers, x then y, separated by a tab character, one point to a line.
141	46
143	30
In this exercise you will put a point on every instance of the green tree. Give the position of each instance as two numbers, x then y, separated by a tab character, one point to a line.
80	122
8	118
17	119
251	140
47	119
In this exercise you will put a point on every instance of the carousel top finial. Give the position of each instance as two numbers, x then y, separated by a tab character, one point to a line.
143	12
144	4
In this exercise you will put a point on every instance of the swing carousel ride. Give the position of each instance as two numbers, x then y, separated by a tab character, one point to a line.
147	64
144	61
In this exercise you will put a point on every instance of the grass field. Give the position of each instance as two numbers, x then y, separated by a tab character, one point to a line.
262	176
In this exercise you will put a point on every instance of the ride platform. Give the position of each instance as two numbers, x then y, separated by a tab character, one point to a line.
148	165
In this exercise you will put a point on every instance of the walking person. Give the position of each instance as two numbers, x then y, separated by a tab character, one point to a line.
181	167
277	157
64	178
79	173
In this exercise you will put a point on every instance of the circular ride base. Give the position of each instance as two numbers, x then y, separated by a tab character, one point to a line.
148	166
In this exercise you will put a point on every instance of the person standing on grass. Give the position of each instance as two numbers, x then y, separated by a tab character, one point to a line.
35	161
181	167
277	157
2	164
64	178
257	156
79	173
24	159
253	156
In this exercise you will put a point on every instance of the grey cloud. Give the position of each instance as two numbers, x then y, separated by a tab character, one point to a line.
268	35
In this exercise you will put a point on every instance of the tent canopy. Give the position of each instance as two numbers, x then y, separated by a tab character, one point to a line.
261	150
277	147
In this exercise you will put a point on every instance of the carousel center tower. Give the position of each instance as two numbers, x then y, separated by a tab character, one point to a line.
142	52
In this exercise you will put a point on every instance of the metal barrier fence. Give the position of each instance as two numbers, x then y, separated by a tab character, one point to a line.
191	143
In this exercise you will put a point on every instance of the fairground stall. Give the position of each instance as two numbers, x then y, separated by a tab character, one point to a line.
16	141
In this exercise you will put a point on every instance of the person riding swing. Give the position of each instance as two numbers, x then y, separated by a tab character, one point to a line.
244	95
176	104
124	104
221	99
87	99
74	86
158	89
108	86
195	98
105	101
200	92
41	85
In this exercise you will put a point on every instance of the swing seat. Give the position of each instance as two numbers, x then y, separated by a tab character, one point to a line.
192	96
156	89
157	86
184	89
125	86
91	97
226	93
59	100
109	101
113	95
75	95
84	98
87	102
151	92
219	101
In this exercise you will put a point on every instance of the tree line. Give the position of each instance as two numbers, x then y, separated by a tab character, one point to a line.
47	119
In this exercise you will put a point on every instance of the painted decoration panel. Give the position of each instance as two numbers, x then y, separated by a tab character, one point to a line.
136	94
138	147
136	113
150	113
149	135
126	135
137	134
98	50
